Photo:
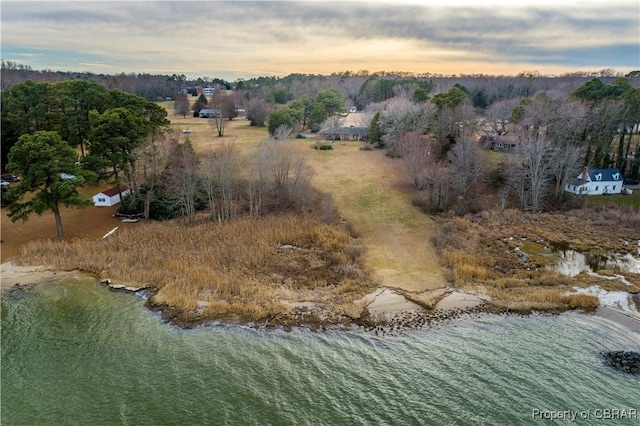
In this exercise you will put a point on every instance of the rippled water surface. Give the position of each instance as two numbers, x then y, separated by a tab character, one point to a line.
76	353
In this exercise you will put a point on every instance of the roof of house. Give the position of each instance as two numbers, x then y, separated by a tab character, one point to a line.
210	111
605	175
114	191
598	175
351	130
577	182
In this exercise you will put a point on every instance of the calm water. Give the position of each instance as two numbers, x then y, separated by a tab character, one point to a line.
76	353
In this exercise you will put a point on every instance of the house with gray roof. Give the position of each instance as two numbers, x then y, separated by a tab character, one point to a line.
351	133
596	182
210	113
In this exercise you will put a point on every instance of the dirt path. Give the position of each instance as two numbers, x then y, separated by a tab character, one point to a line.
394	232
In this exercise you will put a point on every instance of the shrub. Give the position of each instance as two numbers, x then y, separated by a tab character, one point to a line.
582	301
392	153
323	147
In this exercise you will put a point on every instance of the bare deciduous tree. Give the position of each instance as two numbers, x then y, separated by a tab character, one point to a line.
300	191
225	111
154	154
503	196
182	178
531	171
552	116
279	160
516	178
258	112
287	174
416	152
438	189
468	165
219	171
332	123
181	104
256	183
219	123
282	133
499	116
402	115
567	163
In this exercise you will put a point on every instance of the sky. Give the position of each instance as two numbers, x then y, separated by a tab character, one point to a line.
242	39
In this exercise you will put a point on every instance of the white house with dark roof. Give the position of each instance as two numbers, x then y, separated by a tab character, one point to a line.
110	197
596	182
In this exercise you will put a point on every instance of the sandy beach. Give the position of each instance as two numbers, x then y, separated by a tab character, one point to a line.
12	275
387	303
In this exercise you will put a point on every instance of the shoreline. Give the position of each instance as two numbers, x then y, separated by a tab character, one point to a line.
620	317
12	276
385	308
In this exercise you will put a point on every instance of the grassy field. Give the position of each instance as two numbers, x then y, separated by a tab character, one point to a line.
632	200
204	136
368	190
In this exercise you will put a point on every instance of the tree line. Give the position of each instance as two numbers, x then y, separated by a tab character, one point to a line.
550	137
59	136
42	126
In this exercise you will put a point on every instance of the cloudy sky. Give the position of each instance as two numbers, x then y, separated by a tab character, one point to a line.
236	39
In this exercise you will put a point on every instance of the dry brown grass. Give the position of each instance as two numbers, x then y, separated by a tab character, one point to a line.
204	136
541	299
468	267
511	249
233	270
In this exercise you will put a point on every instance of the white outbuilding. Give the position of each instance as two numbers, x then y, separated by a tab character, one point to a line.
110	197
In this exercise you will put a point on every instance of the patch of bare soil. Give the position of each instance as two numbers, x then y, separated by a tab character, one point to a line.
92	222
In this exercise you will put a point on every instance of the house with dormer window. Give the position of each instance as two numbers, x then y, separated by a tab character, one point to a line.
596	182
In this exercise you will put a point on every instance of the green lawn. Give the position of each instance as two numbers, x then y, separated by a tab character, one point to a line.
632	200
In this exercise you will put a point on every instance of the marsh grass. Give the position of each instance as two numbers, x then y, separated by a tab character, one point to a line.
468	267
507	253
240	269
543	299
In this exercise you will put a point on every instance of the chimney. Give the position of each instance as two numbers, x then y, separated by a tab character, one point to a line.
585	173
